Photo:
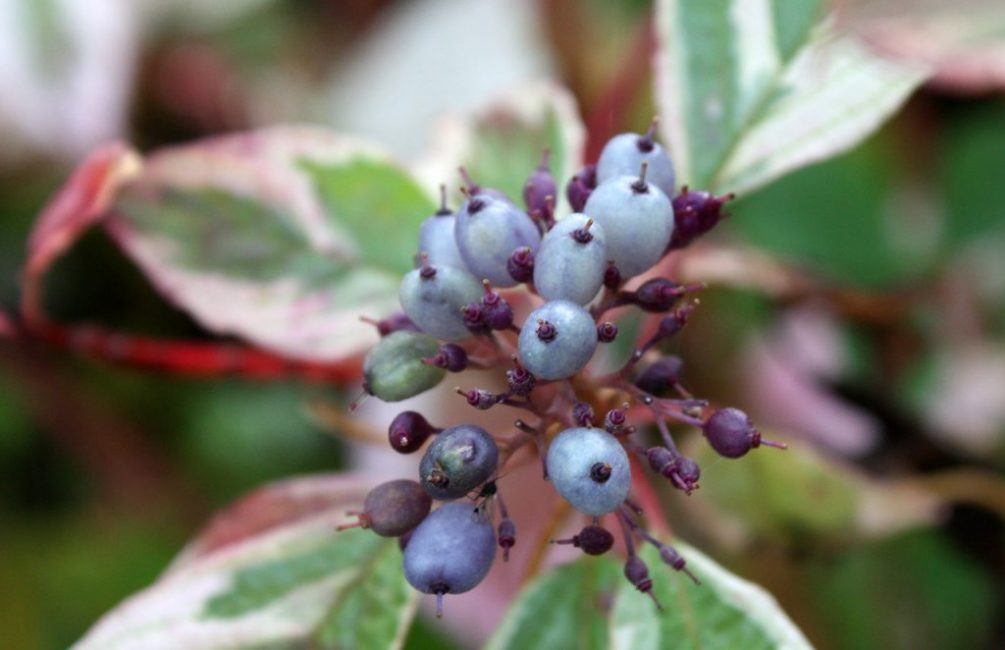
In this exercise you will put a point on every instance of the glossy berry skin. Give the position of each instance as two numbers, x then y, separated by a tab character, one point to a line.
488	230
451	551
571	261
408	431
731	433
393	370
396	507
436	239
459	460
573	459
623	155
432	296
638	222
568	351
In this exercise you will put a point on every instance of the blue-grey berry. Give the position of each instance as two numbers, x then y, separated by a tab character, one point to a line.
571	261
590	469
557	340
433	297
488	231
624	153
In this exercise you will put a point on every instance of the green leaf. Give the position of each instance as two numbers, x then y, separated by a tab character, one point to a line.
561	610
272	572
752	90
501	144
284	236
797	496
588	605
724	611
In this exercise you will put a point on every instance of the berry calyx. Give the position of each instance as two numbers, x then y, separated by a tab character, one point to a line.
582	414
545	331
520	265
607	332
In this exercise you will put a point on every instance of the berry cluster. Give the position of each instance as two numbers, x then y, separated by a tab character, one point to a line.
624	222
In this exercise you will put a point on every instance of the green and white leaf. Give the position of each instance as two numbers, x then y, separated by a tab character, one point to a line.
724	611
588	605
272	572
284	236
753	89
501	144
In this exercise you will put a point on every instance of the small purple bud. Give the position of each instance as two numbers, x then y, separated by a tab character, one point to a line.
674	559
695	213
540	191
580	186
582	414
593	540
478	398
393	323
615	422
450	357
607	332
685	474
638	574
655	295
520	265
506	537
474	319
519	380
496	312
660	459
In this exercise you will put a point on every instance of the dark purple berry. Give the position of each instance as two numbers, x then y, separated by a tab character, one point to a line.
661	377
612	277
695	213
521	264
607	332
655	295
638	574
393	508
408	431
732	434
580	186
450	357
593	540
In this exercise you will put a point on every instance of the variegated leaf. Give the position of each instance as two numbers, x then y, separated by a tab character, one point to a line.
753	89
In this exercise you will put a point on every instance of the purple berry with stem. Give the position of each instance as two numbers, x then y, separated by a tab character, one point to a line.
496	312
571	260
450	552
637	218
625	152
392	509
661	377
731	433
519	380
590	469
459	460
593	540
557	340
408	431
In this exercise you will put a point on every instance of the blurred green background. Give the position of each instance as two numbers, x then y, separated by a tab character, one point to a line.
106	472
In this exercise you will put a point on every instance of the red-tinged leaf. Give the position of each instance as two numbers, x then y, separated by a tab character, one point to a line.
79	204
283	237
272	572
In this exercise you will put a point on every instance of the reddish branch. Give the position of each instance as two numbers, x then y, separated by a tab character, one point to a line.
190	358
